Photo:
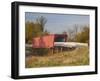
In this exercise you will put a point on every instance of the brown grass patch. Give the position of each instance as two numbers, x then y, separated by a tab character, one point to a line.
77	57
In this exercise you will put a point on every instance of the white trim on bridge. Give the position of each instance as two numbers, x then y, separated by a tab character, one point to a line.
70	44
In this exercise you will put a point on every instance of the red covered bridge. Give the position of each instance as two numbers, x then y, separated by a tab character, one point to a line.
47	41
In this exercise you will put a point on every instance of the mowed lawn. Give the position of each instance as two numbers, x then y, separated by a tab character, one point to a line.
76	57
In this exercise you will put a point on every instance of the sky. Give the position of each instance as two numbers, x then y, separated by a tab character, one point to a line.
57	23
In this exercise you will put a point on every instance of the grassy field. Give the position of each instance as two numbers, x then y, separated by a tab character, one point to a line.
76	57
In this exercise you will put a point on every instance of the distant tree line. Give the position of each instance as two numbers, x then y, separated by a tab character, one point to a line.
79	34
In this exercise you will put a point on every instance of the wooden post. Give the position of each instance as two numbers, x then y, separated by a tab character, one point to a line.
61	49
52	50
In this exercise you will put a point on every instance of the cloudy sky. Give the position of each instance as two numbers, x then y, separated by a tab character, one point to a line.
57	23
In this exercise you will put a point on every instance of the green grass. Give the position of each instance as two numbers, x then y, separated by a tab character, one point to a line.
77	57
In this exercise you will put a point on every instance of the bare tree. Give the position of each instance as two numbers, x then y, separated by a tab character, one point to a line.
73	32
41	21
70	34
76	27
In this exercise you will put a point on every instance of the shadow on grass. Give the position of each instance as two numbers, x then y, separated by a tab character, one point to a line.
46	51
